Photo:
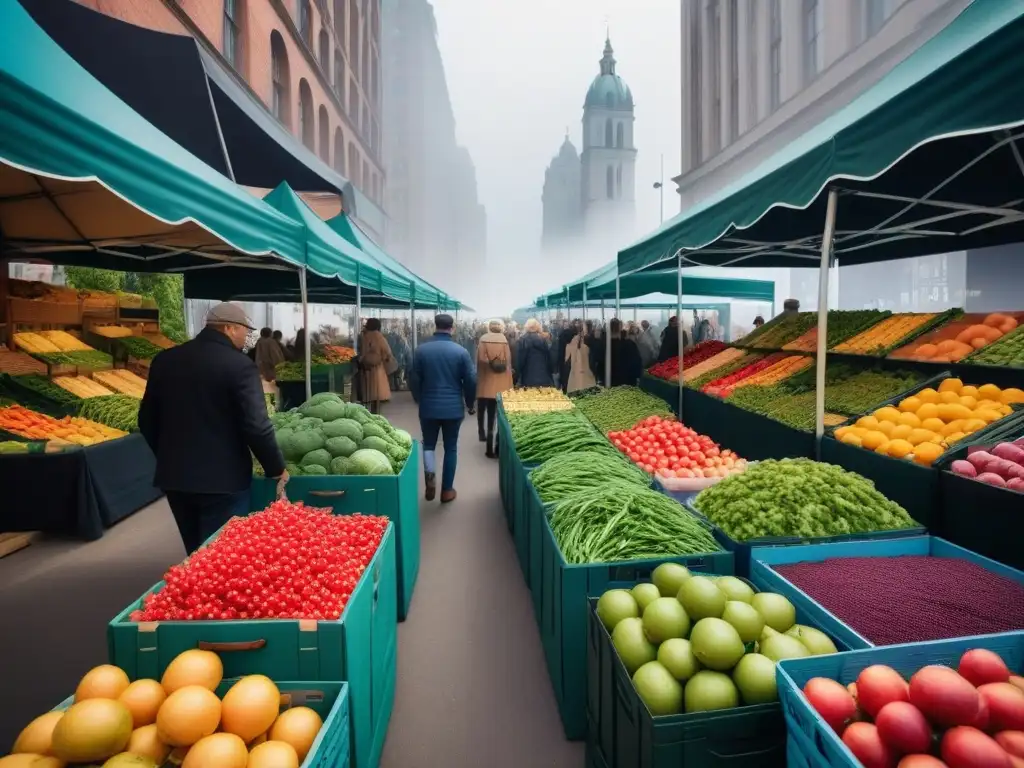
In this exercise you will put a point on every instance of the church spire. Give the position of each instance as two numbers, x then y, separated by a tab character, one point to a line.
608	60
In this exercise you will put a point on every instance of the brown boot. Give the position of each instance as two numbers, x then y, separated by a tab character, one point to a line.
430	486
448	496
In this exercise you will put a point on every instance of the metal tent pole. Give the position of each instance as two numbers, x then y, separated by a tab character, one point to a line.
679	323
305	325
359	313
584	302
822	351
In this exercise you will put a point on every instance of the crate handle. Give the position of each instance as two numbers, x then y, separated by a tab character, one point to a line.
327	494
244	645
622	696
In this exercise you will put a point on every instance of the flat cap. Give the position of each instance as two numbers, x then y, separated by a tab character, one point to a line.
227	313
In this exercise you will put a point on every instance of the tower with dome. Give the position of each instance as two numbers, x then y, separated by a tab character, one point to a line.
590	195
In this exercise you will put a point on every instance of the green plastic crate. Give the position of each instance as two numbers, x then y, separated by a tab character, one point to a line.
564	591
395	497
628	736
360	648
536	514
329	700
521	515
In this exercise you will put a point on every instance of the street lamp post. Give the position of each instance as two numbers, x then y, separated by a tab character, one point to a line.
660	186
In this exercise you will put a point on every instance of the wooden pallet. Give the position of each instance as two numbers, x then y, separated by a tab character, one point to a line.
12	542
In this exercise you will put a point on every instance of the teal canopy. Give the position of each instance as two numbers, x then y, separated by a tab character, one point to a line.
600	284
84	179
925	161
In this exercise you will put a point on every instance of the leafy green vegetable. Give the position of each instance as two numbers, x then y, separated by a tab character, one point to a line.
561	476
367	461
376	443
341	446
117	411
320	457
620	408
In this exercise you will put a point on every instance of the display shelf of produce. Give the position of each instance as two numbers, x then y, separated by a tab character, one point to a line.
359	648
817	745
1008	351
982	517
959	337
19	364
666	390
779	331
842	325
625	732
331	747
887	610
722	364
894	332
393	496
564	589
781	477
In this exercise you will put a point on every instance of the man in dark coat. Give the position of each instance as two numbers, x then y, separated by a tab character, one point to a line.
202	414
670	340
443	384
627	367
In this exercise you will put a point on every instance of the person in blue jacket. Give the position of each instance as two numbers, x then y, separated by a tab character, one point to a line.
443	384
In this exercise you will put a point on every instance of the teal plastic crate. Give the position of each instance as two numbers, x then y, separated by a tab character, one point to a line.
329	700
819	745
642	743
537	513
744	737
742	549
564	590
765	578
360	648
395	497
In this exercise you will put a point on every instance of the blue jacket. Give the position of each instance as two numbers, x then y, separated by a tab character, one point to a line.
443	378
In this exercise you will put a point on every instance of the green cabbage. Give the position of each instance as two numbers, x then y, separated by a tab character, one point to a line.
300	442
370	429
321	397
313	469
293	469
402	438
341	446
342	465
343	428
319	457
309	423
375	443
367	461
325	411
358	413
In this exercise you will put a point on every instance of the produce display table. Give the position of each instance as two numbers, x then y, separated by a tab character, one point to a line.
752	436
666	390
395	497
325	378
77	492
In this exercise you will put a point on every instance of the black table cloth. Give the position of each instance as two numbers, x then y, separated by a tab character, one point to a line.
78	492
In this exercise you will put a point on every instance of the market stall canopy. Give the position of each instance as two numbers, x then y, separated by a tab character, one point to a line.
188	94
925	161
86	180
426	294
600	284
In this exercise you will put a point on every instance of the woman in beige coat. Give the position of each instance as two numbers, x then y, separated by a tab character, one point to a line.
375	365
493	375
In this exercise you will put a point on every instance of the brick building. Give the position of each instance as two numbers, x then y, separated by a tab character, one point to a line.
314	64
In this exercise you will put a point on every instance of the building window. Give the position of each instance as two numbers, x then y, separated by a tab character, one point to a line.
373	187
734	70
365	181
353	38
775	54
353	164
306	128
609	182
339	75
280	79
339	151
374	80
353	103
696	80
339	20
232	24
715	37
608	132
325	134
814	52
876	13
752	51
364	66
618	182
306	22
325	51
619	136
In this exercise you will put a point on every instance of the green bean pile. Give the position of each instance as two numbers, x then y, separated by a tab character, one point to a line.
564	475
620	521
543	436
621	408
117	411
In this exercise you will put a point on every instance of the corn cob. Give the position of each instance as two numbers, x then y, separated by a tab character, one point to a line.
65	342
115	381
35	344
82	386
112	331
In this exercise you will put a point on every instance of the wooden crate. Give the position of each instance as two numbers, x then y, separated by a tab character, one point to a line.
33	312
12	542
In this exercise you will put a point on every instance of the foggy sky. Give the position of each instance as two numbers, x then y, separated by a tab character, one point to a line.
518	73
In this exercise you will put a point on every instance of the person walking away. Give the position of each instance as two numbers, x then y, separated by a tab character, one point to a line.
269	355
493	376
376	363
443	384
579	373
566	335
533	358
626	366
647	344
202	415
670	340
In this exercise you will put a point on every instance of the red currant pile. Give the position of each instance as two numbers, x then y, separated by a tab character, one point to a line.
287	562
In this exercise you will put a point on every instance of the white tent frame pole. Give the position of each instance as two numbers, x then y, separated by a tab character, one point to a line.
584	302
306	340
679	323
821	362
359	314
412	319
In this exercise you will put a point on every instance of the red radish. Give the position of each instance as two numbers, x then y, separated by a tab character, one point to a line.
1006	706
1012	742
1010	452
862	739
980	459
1017	681
983	718
980	665
832	701
966	747
878	685
964	468
943	696
921	761
903	728
991	478
1016	484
